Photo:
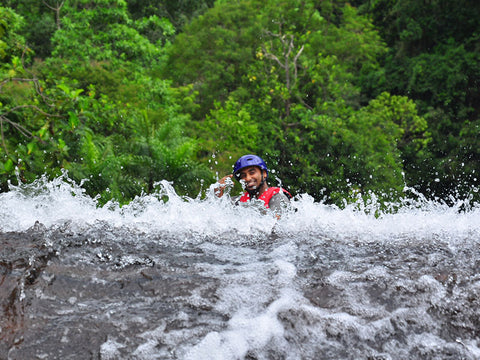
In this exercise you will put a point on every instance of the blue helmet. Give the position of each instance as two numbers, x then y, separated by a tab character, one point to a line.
248	160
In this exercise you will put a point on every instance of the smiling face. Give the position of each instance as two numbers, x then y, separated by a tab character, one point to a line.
252	176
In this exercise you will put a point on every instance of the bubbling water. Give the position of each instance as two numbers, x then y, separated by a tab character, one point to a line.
204	279
61	200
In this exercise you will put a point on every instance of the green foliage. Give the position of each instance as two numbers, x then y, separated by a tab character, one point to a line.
102	30
212	52
121	168
119	150
300	92
157	30
12	44
179	12
227	133
433	58
341	102
105	121
40	23
358	154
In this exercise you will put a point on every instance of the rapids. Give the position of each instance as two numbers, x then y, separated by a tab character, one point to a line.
203	279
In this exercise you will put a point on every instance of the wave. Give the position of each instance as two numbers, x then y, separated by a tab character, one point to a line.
62	202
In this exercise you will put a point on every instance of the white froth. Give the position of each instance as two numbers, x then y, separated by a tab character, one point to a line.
257	288
59	202
245	333
110	349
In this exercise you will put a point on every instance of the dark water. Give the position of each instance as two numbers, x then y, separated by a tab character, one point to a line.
200	279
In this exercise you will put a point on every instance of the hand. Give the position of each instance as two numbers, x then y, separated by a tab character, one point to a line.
222	184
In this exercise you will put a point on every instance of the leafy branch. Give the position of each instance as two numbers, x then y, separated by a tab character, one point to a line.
285	61
58	6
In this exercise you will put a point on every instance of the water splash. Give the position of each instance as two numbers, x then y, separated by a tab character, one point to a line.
62	201
173	277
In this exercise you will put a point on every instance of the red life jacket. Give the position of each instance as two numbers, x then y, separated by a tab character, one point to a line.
266	196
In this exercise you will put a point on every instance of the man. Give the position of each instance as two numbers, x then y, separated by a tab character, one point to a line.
252	172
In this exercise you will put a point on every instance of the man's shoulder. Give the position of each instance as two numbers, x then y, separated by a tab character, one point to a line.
280	196
278	191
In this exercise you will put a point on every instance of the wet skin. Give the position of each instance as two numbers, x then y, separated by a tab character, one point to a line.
250	176
253	176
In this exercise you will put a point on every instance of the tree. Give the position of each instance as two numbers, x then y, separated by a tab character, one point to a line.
178	12
434	59
12	44
56	7
39	25
315	133
213	52
107	121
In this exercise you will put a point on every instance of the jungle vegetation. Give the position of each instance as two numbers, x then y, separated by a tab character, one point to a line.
341	98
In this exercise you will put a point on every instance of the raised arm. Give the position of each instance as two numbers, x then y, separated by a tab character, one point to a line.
222	184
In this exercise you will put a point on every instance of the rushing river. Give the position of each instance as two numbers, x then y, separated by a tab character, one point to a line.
202	279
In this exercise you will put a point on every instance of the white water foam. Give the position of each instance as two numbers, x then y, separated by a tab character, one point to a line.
258	289
60	202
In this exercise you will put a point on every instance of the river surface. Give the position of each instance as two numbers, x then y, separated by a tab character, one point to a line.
203	279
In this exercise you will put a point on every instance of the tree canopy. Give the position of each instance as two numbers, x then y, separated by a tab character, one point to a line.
340	98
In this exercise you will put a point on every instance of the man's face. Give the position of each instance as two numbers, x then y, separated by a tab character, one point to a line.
252	176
